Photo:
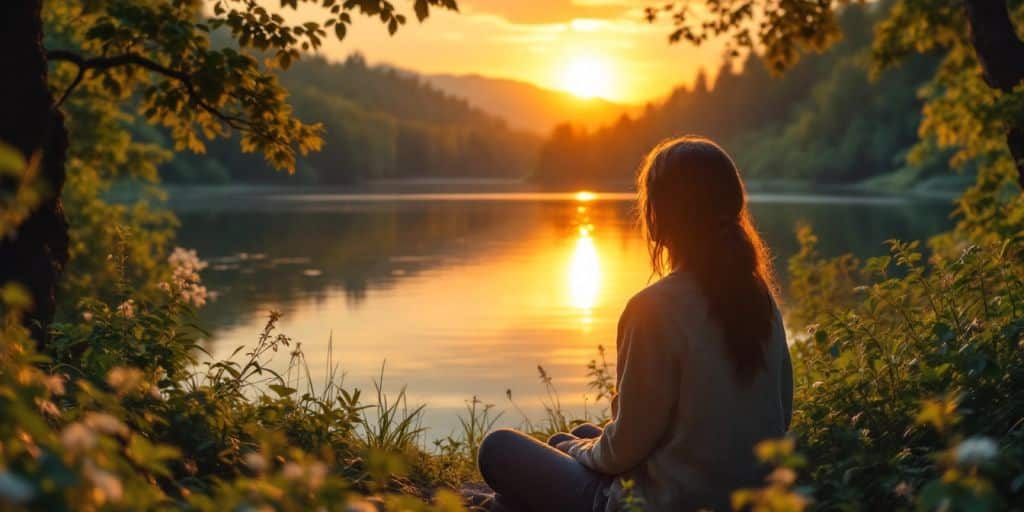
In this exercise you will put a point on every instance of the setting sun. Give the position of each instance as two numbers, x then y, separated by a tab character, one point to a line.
584	196
587	77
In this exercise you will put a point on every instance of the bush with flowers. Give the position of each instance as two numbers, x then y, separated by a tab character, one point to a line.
119	414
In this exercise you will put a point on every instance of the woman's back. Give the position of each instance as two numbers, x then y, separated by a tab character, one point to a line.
717	418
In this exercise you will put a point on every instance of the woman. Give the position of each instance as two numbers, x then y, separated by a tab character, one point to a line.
703	368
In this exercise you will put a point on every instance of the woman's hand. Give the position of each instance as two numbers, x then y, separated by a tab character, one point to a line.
574	445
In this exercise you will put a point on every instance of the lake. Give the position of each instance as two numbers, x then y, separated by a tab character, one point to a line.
465	294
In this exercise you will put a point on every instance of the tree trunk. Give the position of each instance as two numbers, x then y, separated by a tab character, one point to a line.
1001	54
35	254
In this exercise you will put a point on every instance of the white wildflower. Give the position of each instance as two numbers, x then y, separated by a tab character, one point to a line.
185	267
48	408
255	462
360	505
105	423
782	476
903	489
78	438
976	450
292	471
124	379
127	308
108	485
195	294
316	473
55	383
185	258
15	489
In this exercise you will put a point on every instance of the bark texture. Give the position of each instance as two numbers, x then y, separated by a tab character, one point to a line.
1001	54
36	253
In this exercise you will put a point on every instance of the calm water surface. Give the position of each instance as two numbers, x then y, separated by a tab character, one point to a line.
465	294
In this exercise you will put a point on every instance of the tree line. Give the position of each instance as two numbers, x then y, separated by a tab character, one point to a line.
830	119
825	121
379	123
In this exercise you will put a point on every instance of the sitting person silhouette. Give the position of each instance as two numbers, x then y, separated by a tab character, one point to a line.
703	368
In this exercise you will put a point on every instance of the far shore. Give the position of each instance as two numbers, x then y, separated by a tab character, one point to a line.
183	196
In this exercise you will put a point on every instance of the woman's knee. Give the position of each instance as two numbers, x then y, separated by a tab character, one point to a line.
493	449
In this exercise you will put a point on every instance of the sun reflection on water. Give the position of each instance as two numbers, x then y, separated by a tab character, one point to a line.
584	272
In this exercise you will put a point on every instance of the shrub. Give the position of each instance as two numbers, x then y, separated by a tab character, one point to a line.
909	377
120	415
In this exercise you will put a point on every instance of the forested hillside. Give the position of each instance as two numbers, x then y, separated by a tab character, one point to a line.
826	121
380	123
823	122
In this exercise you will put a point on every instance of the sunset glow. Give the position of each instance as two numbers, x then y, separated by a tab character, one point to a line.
587	77
588	48
584	196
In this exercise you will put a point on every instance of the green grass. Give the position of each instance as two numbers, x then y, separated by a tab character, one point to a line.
393	426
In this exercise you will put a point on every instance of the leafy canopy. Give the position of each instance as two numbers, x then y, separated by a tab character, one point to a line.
160	51
962	115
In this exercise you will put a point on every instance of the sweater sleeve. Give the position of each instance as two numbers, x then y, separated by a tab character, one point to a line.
647	386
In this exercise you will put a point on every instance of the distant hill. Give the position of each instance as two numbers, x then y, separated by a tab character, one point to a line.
525	106
380	123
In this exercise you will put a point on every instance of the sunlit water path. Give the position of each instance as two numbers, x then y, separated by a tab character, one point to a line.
465	294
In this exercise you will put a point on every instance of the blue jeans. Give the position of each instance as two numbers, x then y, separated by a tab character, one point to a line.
528	475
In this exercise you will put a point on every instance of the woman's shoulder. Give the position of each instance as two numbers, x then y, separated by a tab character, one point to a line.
674	294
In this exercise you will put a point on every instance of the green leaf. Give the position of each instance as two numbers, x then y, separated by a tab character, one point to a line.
12	162
422	9
281	390
15	296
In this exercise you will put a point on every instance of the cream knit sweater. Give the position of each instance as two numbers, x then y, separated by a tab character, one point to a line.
684	427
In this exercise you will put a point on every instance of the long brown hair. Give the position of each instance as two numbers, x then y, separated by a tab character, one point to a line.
693	211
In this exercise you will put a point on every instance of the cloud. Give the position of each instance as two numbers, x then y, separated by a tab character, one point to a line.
533	41
550	11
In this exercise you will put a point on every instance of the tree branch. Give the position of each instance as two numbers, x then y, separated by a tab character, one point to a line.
104	63
67	92
133	59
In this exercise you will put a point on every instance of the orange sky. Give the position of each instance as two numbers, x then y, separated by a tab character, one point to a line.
591	47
